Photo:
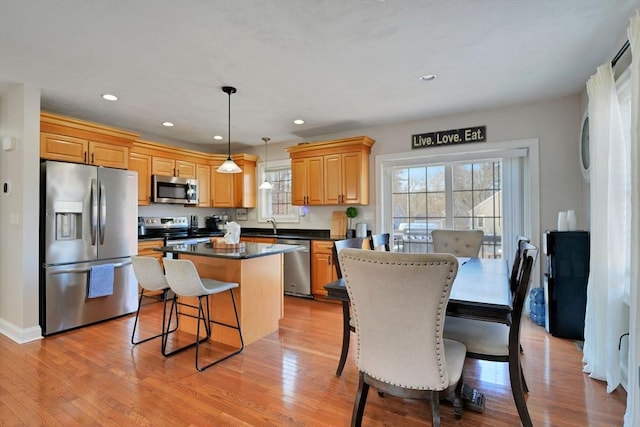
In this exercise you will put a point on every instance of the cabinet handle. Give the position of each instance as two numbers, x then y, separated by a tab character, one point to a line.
176	172
93	158
85	157
328	259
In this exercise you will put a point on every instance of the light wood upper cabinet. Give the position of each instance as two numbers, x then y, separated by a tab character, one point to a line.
64	148
343	179
108	155
306	177
221	187
185	169
141	163
162	166
169	167
234	190
77	150
245	182
77	141
332	172
203	175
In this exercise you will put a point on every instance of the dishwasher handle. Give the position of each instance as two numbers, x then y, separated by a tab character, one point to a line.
306	244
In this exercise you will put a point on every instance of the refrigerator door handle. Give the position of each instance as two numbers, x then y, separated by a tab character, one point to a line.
94	211
86	270
103	213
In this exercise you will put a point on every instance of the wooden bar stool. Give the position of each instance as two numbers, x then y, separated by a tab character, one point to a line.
184	281
151	278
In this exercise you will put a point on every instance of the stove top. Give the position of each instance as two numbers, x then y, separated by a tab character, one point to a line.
165	223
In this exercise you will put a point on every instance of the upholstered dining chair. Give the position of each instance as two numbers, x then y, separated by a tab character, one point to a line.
462	243
498	342
184	280
151	279
380	242
347	326
399	302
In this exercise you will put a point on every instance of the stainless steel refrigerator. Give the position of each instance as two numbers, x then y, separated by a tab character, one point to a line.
88	230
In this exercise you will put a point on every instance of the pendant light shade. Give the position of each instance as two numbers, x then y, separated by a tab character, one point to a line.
266	185
229	166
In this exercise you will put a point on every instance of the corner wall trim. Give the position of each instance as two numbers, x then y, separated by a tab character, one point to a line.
21	336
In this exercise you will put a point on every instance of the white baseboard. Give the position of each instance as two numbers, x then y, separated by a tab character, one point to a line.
19	335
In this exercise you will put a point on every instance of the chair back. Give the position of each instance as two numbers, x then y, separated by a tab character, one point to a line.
399	303
515	268
183	278
149	273
378	241
465	243
529	256
338	245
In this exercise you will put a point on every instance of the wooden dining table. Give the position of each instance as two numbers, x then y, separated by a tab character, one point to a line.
481	291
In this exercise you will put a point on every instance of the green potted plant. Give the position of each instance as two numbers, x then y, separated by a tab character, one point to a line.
351	212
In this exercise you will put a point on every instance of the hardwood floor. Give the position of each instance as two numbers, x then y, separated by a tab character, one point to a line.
94	376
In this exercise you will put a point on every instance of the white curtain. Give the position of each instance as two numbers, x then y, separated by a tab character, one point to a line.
610	220
632	416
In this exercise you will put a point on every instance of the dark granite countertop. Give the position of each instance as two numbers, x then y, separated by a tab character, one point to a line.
290	233
251	250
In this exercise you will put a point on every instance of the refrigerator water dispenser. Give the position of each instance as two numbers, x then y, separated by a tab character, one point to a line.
68	220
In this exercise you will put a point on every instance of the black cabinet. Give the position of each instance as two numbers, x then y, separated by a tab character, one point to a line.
565	282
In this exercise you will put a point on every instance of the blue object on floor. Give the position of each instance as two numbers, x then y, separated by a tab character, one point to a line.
100	281
536	306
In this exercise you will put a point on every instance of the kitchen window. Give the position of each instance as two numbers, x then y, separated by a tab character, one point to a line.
276	202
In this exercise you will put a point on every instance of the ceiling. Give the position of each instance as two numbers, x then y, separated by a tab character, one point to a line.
339	65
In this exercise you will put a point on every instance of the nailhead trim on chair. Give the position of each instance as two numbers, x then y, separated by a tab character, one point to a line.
441	310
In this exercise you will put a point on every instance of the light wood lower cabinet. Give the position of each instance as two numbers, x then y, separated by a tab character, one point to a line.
145	248
252	239
323	270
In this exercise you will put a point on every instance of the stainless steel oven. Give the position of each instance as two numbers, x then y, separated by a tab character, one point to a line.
174	230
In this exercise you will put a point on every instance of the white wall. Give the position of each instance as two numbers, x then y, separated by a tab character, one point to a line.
19	290
554	122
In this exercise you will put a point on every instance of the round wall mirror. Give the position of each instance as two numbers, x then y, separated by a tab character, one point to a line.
584	146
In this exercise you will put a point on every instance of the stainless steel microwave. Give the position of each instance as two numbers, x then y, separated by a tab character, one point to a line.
171	189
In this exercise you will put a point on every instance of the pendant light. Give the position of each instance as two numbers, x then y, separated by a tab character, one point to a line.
229	166
266	185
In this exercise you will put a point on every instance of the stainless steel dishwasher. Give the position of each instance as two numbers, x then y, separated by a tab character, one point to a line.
297	268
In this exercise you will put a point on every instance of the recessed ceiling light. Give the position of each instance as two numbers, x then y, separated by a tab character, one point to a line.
109	97
217	137
298	121
428	77
167	124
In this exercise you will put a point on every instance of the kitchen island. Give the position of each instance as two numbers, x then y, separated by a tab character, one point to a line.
257	268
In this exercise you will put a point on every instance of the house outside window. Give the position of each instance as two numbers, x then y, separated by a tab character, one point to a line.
276	202
455	195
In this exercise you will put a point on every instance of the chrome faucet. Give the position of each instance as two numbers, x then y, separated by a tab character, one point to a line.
272	220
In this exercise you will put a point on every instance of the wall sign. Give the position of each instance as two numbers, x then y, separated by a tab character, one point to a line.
448	137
